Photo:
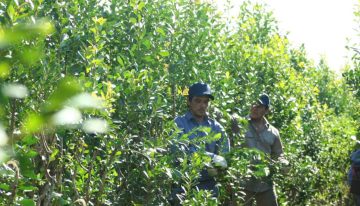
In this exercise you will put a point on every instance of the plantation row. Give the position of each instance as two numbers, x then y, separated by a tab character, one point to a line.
90	90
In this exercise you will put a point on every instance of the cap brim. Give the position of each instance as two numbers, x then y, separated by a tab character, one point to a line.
210	96
261	102
206	95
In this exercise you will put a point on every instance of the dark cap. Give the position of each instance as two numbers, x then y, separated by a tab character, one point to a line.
200	89
264	100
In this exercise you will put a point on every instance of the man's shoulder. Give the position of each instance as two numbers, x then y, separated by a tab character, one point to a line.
273	130
179	119
214	123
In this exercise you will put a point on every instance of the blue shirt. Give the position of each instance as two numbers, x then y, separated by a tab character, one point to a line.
355	160
187	123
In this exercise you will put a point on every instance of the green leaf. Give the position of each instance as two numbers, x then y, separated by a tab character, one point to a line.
147	43
10	11
133	20
32	55
217	136
31	154
29	140
5	187
149	58
161	31
53	155
141	6
120	61
164	53
28	188
67	88
4	69
27	202
33	123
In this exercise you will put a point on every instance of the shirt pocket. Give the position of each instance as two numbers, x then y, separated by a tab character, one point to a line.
268	138
250	141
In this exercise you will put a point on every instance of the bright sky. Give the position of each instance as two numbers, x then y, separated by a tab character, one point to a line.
323	26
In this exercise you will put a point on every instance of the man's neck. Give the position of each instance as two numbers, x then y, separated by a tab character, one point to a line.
199	119
259	124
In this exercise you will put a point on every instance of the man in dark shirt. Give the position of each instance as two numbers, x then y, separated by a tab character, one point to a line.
261	135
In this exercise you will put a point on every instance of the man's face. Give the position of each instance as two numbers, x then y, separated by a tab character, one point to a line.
199	105
258	111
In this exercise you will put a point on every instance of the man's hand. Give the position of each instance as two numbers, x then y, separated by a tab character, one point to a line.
284	165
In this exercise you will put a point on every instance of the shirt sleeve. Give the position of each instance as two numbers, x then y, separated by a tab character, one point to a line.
223	142
225	147
180	124
277	148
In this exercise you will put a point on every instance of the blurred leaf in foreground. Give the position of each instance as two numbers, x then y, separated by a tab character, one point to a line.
15	90
3	137
95	126
67	116
85	101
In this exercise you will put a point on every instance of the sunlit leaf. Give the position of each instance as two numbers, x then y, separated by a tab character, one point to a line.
11	11
227	75
161	31
53	155
33	123
133	20
164	53
15	91
4	69
141	5
95	126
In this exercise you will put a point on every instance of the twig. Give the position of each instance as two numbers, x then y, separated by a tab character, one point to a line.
90	176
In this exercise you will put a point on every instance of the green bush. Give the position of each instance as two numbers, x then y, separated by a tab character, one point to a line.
90	89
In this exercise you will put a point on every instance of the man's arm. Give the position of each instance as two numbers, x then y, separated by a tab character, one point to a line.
277	153
277	149
222	146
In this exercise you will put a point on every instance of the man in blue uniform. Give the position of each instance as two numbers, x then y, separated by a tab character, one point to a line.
198	101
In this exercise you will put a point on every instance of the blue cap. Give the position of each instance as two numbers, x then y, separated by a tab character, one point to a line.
264	100
200	89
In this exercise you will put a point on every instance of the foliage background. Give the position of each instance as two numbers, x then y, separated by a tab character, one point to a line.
90	89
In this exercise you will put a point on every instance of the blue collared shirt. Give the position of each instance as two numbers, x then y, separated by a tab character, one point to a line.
187	123
355	160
